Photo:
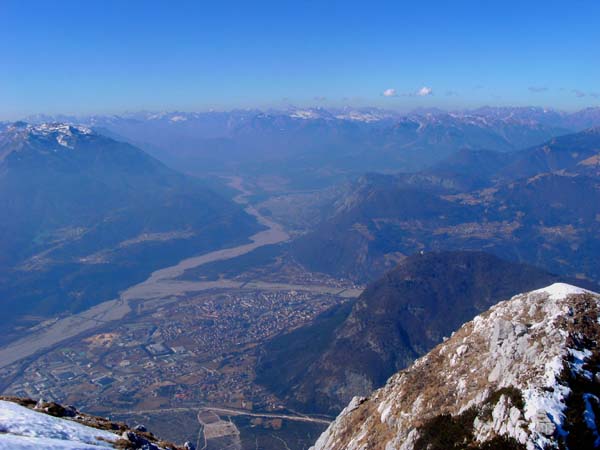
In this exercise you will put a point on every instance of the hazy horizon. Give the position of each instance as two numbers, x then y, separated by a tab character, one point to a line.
40	116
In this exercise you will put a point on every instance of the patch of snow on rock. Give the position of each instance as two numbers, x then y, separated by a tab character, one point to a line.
558	291
21	428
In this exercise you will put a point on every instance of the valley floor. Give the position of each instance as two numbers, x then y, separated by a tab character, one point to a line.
177	344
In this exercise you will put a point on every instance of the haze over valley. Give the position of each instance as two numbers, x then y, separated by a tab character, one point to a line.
231	282
299	226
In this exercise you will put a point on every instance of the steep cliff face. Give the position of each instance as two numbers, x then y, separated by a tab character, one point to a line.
523	375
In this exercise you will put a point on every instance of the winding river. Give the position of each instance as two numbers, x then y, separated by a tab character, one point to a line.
164	282
161	285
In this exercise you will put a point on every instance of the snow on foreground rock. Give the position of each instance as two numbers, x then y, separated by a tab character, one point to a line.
523	375
25	424
23	428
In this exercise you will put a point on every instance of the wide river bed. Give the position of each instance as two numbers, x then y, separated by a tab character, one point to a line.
162	284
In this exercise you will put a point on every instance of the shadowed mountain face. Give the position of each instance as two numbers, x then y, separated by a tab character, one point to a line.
398	318
540	206
84	216
575	153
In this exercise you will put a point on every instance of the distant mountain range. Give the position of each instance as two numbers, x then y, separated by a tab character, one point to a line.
308	148
397	319
520	376
540	206
220	123
84	216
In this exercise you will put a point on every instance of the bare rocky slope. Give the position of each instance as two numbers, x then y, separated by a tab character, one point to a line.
523	375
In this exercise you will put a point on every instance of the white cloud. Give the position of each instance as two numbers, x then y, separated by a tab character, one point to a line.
424	91
390	93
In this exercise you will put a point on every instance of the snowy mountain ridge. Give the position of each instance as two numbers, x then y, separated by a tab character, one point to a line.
63	134
533	115
523	375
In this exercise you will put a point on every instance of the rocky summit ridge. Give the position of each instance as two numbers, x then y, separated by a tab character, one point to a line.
523	375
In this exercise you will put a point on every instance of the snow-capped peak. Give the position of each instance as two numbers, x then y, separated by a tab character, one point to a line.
61	128
358	116
559	291
305	114
63	133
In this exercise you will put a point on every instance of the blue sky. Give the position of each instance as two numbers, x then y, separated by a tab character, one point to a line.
112	56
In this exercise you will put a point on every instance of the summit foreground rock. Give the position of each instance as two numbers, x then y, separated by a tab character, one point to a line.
523	375
29	425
